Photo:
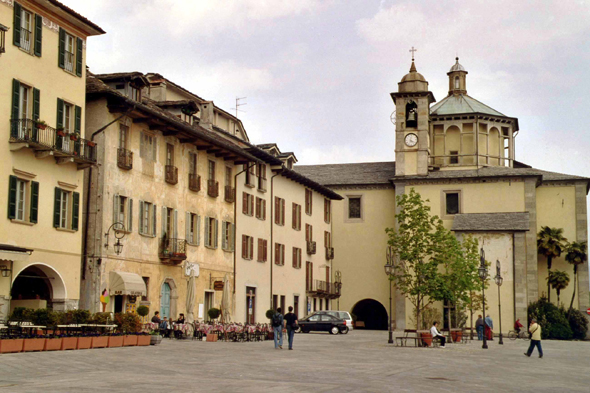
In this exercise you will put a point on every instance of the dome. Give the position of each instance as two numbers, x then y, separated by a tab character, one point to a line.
413	75
457	66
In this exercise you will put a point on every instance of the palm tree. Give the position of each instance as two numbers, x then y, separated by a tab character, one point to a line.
558	280
576	254
550	243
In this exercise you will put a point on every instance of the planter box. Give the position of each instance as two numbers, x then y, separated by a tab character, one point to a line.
129	341
115	341
100	342
69	343
143	340
11	345
33	344
53	344
456	336
84	342
426	339
155	340
212	337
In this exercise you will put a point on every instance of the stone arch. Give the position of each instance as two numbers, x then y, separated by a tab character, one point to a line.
173	295
494	145
452	144
372	313
56	281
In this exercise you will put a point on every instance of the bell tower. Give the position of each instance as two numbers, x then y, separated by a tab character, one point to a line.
412	118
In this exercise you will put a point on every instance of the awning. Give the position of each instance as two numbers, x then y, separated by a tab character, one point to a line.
13	253
123	283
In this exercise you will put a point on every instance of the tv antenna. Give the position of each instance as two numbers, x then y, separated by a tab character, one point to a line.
239	104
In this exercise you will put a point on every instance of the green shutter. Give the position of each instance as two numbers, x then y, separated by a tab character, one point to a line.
75	210
33	216
12	197
16	24
56	207
79	56
78	120
59	123
38	34
61	58
36	109
15	104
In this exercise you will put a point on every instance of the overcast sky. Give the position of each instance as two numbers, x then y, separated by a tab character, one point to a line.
318	74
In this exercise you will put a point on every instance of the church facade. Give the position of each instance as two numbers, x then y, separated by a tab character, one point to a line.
459	155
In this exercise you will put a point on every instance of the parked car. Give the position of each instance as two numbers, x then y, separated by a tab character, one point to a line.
345	315
323	322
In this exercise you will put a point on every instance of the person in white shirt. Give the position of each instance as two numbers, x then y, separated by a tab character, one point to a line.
436	335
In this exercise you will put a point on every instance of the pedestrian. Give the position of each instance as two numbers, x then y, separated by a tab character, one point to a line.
489	327
535	331
291	323
436	335
156	318
479	326
277	326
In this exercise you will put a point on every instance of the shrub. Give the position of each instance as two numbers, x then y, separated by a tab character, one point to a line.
143	311
21	314
45	317
80	316
270	313
101	318
553	320
128	322
214	313
578	323
559	331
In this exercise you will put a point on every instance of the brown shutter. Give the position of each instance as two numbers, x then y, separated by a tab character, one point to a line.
265	250
294	217
307	276
244	240
245	203
263	205
259	250
306	232
251	248
310	202
276	252
252	206
258	215
294	257
283	255
276	210
327	274
282	212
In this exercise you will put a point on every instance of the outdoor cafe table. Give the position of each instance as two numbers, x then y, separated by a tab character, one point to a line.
84	326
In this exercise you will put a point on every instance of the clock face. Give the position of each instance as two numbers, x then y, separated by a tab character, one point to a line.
411	140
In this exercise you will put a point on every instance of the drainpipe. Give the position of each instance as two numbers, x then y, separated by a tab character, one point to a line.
271	227
236	217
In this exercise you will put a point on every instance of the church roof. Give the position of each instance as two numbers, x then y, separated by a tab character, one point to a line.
462	103
491	222
366	173
457	66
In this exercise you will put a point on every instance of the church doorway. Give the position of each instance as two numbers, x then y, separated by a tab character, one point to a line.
371	313
37	286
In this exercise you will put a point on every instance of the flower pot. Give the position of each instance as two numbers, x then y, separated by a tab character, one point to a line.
143	340
155	339
33	344
73	138
61	133
426	339
91	144
100	342
456	335
11	345
53	344
115	341
69	343
84	342
212	337
130	341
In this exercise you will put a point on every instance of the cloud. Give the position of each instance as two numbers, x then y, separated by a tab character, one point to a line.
332	155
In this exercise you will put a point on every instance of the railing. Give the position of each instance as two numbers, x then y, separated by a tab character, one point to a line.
25	39
69	61
329	253
324	289
212	188
230	194
311	248
194	182
470	159
171	174
124	158
172	249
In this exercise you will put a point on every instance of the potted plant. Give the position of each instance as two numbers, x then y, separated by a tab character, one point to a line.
143	311
115	340
40	124
69	342
91	144
73	137
84	342
11	345
53	343
33	343
99	341
269	314
60	131
155	338
214	313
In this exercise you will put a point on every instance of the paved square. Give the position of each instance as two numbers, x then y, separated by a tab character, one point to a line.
360	361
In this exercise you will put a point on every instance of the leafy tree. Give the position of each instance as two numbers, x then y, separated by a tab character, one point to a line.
550	243
558	280
576	254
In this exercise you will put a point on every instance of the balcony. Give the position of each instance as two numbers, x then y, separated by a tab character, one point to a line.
47	141
323	289
172	251
329	253
230	194
194	182
124	158
212	188
171	174
311	248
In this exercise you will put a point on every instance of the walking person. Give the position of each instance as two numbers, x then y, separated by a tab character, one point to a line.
277	326
479	326
436	335
489	328
535	331
291	323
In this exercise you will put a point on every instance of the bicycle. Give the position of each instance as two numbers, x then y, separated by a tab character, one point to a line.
513	335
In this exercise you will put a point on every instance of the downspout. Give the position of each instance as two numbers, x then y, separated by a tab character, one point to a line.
236	218
271	228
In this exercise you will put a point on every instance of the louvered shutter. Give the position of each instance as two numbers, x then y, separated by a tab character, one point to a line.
175	224
141	218
130	216
61	58
245	203
12	197
79	56
258	212
16	25
244	241
164	223
78	120
294	214
34	214
282	212
276	211
294	257
198	231
75	210
259	250
208	242
15	105
223	236
252	206
216	232
36	110
251	248
187	227
56	202
38	34
264	209
155	220
59	123
115	208
277	254
232	237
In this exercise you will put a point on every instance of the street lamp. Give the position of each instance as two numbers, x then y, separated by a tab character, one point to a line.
119	234
338	284
499	280
483	274
389	271
5	271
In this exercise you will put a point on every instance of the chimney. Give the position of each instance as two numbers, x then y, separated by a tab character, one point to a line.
206	113
158	91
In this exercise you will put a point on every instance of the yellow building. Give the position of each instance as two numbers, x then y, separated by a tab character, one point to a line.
42	109
458	154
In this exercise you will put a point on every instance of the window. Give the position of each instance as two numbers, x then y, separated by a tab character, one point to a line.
279	211
20	199
296	217
148	147
354	207
262	250
308	233
123	212
296	258
192	163
249	169
456	82
211	232
261	173
327	240
27	30
168	223
169	154
146	281
66	209
260	208
70	53
452	202
228	176
454	159
123	135
147	218
23	200
193	228
248	204
308	201
279	254
327	210
3	38
227	236
248	247
308	276
134	93
24	103
211	170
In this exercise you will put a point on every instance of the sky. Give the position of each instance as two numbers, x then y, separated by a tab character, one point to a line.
317	74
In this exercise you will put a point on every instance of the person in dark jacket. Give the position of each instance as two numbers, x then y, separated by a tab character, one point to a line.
479	327
156	318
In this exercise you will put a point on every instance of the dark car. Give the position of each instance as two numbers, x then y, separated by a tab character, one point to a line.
323	322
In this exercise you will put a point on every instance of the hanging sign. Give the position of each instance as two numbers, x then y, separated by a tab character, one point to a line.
218	285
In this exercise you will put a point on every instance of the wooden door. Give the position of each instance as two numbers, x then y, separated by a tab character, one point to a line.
165	301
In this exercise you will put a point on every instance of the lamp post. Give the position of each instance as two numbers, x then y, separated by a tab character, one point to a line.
389	271
338	284
119	234
483	274
499	280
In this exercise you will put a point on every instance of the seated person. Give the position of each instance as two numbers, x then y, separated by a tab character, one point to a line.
181	319
164	327
178	333
436	335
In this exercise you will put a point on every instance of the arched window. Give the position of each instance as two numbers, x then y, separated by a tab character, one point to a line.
456	82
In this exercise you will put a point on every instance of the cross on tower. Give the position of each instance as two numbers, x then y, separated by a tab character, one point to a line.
413	50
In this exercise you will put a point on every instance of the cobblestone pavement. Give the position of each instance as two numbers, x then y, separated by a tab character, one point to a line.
360	361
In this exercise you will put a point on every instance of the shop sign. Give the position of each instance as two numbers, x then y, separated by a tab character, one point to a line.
218	285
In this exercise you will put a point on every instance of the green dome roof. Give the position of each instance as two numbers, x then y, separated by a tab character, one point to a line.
461	103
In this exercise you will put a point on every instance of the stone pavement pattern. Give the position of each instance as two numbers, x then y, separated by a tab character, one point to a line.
360	361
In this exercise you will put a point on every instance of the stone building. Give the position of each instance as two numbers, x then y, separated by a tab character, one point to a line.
42	109
459	154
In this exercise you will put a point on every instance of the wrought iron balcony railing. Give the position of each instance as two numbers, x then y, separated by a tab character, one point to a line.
311	248
324	288
172	250
329	253
212	188
171	174
124	158
230	194
194	182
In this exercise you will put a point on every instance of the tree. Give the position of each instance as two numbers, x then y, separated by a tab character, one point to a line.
416	245
550	243
576	254
558	280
